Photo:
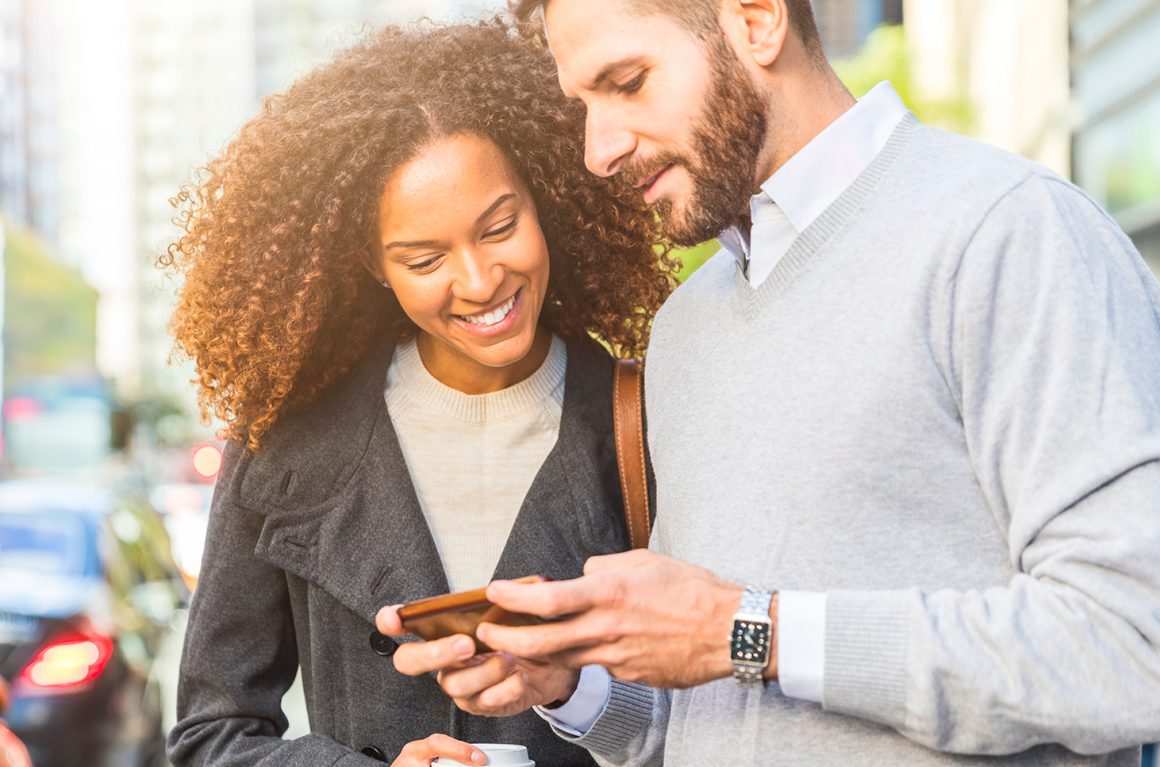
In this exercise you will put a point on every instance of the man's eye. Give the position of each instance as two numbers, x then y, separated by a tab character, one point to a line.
501	229
633	85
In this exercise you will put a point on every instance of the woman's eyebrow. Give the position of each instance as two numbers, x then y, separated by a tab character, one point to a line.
410	244
434	243
491	208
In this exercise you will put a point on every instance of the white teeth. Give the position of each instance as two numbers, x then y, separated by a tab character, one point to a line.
492	317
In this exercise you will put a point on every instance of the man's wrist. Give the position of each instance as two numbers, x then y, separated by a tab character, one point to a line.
720	641
771	668
748	637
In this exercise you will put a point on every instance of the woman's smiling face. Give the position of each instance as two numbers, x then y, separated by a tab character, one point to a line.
460	245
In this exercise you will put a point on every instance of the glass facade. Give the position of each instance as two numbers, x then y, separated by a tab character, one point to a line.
1116	88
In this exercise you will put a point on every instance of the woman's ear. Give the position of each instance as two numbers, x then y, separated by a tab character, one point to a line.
371	264
757	29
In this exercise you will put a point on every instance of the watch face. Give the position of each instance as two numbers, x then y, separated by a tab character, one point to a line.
750	641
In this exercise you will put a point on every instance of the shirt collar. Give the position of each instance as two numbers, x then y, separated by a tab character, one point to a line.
819	172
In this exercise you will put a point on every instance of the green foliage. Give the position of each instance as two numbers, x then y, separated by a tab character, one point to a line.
692	258
50	322
884	57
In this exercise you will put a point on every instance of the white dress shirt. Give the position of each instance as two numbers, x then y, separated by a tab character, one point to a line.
789	201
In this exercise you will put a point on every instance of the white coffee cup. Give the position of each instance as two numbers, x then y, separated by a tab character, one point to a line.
498	755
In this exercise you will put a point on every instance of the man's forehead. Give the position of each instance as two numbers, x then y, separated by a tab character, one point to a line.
586	37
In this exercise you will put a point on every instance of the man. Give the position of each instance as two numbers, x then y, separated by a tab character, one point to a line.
915	395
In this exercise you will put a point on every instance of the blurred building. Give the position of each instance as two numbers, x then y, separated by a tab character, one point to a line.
1008	60
293	36
1115	69
844	25
95	167
29	193
192	87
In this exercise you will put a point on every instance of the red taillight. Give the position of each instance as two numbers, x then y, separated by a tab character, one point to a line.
67	662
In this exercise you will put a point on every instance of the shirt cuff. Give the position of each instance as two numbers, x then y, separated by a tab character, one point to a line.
801	644
577	716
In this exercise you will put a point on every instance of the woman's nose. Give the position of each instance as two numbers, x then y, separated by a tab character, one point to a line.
477	278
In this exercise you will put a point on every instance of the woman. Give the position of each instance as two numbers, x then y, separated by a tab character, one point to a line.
391	278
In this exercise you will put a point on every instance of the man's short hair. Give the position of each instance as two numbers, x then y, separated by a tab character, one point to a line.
700	17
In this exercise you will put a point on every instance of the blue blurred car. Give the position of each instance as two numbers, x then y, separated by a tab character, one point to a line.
87	589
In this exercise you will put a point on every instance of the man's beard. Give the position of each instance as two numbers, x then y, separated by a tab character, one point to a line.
727	140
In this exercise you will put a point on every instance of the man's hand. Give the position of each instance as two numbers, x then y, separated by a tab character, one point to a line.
495	684
645	617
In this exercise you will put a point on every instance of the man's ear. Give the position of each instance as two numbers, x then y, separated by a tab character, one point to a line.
757	29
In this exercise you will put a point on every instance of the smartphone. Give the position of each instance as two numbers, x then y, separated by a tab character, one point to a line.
460	613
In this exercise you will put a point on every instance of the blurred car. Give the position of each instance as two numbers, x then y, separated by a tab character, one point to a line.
185	508
12	751
88	588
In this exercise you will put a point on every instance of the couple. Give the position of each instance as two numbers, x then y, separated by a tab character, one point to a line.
915	395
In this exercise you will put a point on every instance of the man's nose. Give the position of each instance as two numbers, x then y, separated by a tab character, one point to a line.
607	143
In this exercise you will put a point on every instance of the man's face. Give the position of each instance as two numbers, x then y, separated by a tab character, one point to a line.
680	117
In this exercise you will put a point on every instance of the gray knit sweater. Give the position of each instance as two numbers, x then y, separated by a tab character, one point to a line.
942	408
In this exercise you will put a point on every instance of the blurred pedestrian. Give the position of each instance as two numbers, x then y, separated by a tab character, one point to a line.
905	426
391	280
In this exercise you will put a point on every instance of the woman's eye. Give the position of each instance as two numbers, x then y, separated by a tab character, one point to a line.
424	265
633	85
501	229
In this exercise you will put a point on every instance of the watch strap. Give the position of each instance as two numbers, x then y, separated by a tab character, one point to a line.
754	608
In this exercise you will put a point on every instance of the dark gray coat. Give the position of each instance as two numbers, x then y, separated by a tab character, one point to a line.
312	535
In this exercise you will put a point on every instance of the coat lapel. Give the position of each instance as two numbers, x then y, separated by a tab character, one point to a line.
565	516
340	509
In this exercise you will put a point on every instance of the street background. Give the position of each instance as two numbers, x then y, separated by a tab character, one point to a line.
106	108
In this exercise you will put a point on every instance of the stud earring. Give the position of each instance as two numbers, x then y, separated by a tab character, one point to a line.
386	284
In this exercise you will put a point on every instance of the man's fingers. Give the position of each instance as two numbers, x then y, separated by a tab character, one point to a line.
415	658
537	642
621	561
550	599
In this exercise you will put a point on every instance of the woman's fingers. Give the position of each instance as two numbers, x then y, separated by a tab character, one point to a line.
420	753
387	621
416	658
469	681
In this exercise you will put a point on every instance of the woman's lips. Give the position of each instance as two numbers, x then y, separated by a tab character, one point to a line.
498	328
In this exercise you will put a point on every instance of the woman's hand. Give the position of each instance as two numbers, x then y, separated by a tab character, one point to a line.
420	753
493	684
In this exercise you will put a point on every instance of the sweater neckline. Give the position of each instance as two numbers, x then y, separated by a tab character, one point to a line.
832	219
409	379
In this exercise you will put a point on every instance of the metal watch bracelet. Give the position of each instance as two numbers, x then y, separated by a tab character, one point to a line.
750	641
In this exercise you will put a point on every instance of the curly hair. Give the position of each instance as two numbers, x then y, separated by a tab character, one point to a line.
276	303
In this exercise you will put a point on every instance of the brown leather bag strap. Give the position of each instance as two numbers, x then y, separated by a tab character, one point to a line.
628	429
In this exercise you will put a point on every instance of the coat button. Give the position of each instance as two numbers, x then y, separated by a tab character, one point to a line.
383	645
374	753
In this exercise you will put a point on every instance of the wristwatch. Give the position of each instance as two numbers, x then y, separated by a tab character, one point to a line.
752	637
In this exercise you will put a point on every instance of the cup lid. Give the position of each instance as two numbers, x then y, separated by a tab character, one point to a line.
498	755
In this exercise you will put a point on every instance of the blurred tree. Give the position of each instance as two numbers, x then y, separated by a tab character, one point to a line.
884	57
692	258
50	322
